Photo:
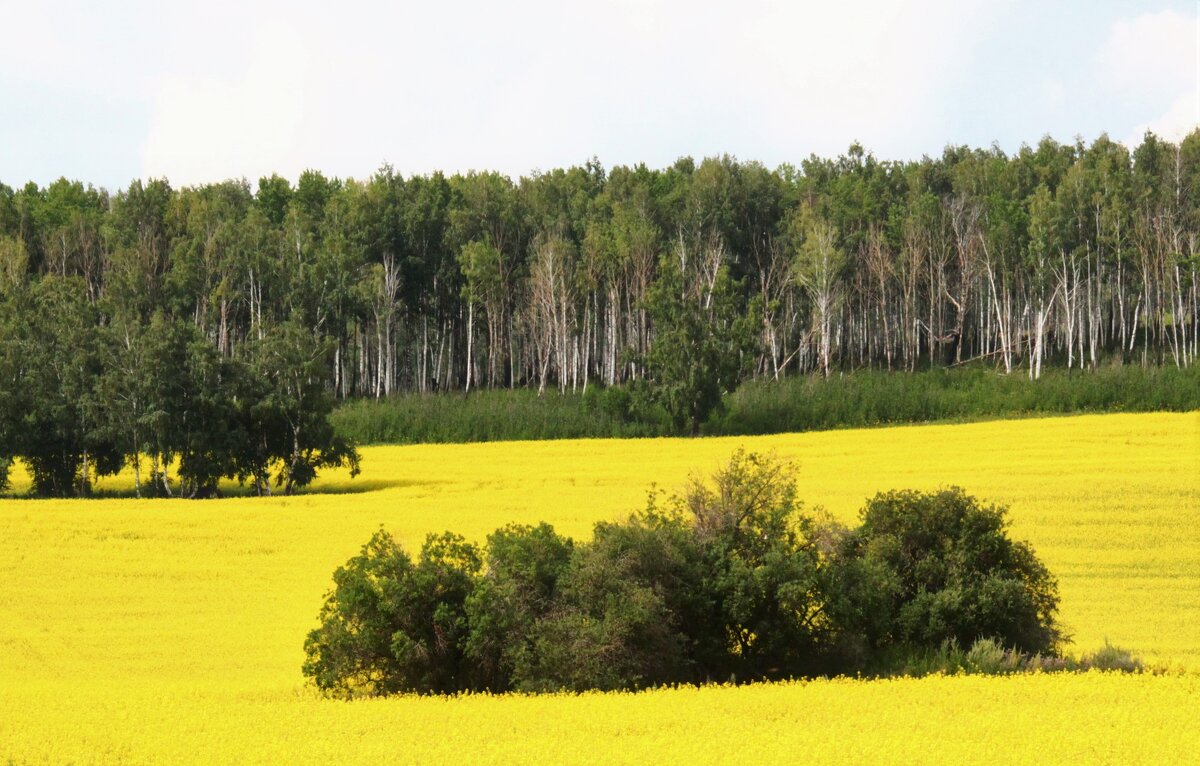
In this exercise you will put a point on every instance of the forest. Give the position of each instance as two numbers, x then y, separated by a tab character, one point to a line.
177	322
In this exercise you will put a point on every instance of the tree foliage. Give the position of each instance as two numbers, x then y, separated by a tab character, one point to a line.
704	344
392	624
1070	255
940	568
730	580
84	398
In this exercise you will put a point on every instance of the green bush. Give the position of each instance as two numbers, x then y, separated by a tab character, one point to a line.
497	415
390	625
609	631
940	566
727	581
871	398
988	657
518	589
1112	658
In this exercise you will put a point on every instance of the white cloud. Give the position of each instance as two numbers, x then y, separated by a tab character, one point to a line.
205	129
248	87
538	83
1054	94
1152	62
83	45
840	71
1179	120
1151	55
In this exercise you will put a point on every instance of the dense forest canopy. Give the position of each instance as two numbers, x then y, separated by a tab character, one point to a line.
172	321
1060	252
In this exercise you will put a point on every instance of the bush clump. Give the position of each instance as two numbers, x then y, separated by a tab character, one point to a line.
926	568
1112	658
730	580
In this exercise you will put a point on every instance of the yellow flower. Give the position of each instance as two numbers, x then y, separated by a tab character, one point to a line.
169	631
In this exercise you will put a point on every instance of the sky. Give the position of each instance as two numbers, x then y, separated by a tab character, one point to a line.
106	92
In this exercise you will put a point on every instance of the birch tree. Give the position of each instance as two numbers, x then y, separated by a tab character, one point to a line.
817	269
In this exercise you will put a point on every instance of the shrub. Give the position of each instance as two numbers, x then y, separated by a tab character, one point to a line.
794	403
518	589
940	566
987	656
764	565
728	581
948	658
1112	658
608	633
390	625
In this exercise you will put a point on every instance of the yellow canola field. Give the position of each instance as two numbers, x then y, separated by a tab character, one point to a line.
159	631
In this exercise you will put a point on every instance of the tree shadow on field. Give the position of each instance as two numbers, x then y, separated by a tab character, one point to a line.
232	490
361	486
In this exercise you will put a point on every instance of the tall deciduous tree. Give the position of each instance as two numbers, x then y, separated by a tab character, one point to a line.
704	339
60	433
294	405
817	269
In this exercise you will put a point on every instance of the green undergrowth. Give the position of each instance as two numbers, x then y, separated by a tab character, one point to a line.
854	400
987	656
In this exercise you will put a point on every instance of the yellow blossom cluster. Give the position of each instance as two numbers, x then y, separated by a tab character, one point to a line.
167	631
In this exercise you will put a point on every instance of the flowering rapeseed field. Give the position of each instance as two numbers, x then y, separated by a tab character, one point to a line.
159	631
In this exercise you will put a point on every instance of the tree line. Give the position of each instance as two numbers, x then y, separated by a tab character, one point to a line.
1064	254
212	327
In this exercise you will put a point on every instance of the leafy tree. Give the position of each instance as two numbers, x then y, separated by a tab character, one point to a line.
488	212
519	588
390	625
612	633
125	383
702	344
942	567
139	232
659	550
207	438
274	195
14	263
817	268
12	393
180	393
291	412
60	434
1044	237
350	653
431	641
764	566
631	612
482	268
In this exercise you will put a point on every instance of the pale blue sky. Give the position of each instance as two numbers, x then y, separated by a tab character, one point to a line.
108	92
